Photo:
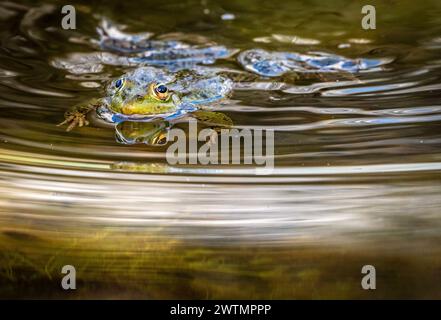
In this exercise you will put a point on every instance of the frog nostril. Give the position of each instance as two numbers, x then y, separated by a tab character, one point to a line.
139	98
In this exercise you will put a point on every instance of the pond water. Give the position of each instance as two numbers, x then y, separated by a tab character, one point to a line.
357	158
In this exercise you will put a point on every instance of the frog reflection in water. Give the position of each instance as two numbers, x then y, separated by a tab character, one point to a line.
147	101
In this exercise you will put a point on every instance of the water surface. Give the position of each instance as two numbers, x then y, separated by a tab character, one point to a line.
357	176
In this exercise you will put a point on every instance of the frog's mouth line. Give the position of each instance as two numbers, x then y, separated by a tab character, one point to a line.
139	117
104	113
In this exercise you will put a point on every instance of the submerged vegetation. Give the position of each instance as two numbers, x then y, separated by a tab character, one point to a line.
115	264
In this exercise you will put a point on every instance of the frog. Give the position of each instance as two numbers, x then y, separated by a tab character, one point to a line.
151	100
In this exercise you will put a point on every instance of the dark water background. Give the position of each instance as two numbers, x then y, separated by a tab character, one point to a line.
357	177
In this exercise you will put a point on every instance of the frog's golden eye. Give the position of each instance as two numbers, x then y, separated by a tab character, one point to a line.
161	91
119	83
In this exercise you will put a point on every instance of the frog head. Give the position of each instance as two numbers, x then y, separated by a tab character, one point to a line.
127	97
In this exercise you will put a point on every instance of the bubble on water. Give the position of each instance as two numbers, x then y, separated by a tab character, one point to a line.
263	39
90	84
360	41
295	39
287	39
228	16
344	45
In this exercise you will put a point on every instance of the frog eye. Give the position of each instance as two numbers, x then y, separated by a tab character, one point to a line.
161	91
119	83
